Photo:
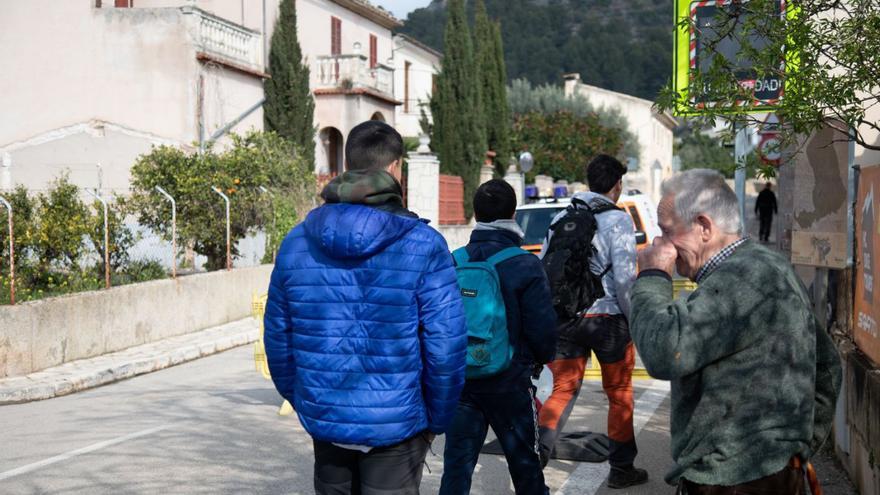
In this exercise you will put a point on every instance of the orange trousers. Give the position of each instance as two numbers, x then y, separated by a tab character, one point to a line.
568	376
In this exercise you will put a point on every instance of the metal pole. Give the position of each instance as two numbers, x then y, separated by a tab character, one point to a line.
264	190
106	238
741	149
265	41
234	122
851	196
228	232
173	230
11	250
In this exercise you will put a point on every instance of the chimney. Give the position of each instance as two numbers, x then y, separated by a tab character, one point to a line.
571	82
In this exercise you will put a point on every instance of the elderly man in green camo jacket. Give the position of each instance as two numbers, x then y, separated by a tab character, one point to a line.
754	375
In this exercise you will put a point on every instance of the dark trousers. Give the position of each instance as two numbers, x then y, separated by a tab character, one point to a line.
766	222
607	336
511	414
393	470
789	481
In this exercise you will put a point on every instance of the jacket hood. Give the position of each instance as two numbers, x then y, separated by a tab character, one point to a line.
352	231
366	187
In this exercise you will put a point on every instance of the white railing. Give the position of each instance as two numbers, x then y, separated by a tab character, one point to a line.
221	38
352	71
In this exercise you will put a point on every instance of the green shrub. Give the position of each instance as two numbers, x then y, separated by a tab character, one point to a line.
254	160
563	142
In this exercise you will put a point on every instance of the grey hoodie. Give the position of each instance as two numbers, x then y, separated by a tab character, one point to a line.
615	244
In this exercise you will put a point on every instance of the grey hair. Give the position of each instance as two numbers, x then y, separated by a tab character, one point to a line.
703	192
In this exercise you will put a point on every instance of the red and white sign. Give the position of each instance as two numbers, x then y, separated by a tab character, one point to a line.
770	149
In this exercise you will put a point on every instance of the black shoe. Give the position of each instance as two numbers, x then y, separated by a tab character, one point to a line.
624	477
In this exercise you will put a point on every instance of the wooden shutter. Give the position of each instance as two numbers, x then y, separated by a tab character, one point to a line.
374	51
124	3
335	36
406	66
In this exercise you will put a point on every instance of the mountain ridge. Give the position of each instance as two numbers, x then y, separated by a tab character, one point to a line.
620	45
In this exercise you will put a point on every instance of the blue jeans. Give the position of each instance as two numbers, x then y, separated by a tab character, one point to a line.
511	414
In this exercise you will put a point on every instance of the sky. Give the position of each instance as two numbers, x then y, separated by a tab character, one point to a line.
400	8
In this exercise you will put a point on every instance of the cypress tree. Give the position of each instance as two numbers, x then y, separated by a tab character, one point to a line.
289	108
459	132
484	57
502	121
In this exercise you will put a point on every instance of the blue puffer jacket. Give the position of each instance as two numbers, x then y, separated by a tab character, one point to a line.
364	327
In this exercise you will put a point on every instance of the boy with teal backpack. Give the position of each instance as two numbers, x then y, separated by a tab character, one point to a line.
511	327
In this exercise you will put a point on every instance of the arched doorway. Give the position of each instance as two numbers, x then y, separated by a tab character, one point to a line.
378	116
331	140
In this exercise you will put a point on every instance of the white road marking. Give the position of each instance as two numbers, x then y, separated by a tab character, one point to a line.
85	450
588	477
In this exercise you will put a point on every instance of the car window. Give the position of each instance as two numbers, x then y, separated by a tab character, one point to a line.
637	220
535	222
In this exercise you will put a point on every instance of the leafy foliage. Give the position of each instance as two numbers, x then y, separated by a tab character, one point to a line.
121	238
697	150
289	106
59	245
549	99
563	142
621	45
64	223
255	160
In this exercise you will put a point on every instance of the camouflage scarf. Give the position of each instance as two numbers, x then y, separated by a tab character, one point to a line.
366	187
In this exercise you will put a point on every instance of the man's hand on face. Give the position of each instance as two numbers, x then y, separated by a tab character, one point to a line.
660	255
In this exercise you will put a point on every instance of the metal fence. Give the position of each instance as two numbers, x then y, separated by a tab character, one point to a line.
41	256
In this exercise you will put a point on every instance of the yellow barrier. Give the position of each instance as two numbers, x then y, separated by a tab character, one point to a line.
258	310
594	371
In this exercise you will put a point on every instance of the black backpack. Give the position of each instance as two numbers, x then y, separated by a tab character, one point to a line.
567	260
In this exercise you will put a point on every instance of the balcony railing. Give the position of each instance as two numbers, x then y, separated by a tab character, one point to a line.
352	71
226	40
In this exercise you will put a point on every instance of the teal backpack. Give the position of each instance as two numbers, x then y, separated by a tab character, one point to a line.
489	351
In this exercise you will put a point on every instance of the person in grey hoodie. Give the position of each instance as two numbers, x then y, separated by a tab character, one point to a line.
602	328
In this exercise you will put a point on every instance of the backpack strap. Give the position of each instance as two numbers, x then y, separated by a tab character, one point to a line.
461	256
505	254
595	208
605	207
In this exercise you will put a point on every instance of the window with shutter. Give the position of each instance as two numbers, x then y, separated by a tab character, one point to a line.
335	36
406	66
374	51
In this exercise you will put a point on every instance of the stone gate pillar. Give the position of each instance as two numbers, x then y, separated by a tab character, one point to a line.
423	183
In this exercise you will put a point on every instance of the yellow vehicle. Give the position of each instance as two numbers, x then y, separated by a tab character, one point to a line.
535	219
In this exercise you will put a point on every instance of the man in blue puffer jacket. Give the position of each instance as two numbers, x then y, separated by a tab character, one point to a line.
364	327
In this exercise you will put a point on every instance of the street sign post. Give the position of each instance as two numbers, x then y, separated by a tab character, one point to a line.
770	147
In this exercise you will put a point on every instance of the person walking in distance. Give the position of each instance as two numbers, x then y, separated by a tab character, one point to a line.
364	328
510	327
590	259
754	374
765	208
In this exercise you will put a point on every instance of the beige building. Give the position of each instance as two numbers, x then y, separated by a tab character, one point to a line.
348	46
92	84
415	69
652	129
89	86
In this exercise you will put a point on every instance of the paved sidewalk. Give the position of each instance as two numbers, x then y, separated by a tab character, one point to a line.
89	373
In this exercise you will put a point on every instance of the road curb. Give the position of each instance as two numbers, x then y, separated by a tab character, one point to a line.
102	370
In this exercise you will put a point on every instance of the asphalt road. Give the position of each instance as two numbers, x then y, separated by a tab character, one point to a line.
211	426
